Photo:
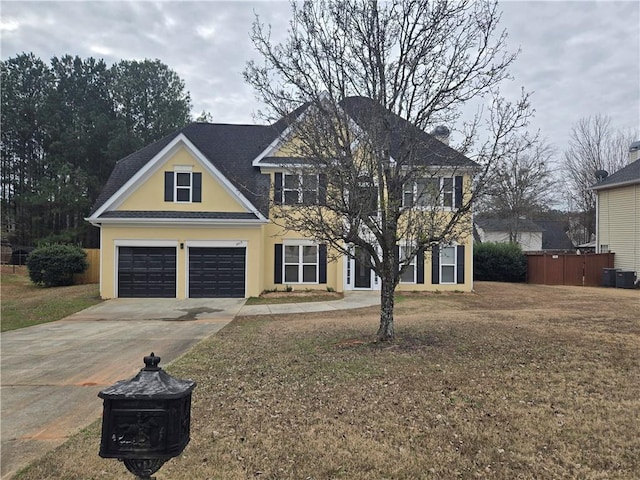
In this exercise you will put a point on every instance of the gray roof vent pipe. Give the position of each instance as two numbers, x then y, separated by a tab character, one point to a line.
634	151
601	175
441	133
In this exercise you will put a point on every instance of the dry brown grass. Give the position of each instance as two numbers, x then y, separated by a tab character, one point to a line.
513	382
25	304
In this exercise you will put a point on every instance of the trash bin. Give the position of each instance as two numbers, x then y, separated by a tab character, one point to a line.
609	277
625	279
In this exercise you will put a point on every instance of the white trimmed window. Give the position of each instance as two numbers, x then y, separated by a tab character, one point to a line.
300	189
300	263
448	264
409	275
183	185
447	192
425	192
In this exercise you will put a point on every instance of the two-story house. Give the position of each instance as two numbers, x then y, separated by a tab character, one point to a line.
618	213
191	216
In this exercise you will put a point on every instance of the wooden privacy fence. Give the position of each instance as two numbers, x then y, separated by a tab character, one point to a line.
567	268
92	273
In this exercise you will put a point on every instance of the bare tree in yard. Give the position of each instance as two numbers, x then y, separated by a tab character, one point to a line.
593	145
521	185
371	79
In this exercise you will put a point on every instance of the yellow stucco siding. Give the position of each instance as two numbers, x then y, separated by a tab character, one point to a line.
273	234
150	194
113	237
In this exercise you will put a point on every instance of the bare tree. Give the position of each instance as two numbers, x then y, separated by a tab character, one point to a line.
593	145
364	82
521	185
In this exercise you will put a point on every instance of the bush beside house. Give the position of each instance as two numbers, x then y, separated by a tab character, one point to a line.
55	265
499	262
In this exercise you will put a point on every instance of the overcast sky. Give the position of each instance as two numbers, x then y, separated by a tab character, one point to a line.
579	58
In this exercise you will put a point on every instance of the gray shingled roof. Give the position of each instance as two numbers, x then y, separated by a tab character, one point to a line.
494	224
554	236
232	148
425	148
168	214
627	175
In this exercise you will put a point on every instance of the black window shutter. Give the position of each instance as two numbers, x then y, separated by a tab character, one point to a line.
458	192
197	187
322	189
420	266
277	268
168	186
277	189
460	264
435	264
322	263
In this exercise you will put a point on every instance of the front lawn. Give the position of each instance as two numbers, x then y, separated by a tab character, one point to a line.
511	382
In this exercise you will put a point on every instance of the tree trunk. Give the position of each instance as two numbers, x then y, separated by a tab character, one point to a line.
386	332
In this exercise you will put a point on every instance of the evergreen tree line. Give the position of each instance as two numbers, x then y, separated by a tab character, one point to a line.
64	125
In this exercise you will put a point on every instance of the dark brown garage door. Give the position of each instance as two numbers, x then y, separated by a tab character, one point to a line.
216	272
147	272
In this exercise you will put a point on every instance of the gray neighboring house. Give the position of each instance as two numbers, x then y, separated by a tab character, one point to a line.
618	213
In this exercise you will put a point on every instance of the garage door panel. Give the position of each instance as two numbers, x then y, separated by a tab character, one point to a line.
148	272
217	272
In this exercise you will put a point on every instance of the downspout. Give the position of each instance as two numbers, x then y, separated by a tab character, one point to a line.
597	222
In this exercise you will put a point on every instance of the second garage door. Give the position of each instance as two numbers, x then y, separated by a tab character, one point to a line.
217	272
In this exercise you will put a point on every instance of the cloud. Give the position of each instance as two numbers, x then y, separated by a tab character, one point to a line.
580	58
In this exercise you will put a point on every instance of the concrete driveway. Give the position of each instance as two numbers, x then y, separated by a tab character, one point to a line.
52	373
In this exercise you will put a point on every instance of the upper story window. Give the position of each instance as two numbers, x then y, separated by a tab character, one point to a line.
427	192
364	197
298	189
422	193
182	185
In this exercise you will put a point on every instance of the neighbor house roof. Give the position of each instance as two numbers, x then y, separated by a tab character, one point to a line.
628	175
495	224
554	235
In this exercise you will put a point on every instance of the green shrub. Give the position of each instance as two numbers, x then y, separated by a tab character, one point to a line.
499	262
54	265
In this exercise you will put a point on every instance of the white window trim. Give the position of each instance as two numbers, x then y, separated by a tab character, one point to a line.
454	265
299	188
441	193
453	193
413	263
182	170
300	244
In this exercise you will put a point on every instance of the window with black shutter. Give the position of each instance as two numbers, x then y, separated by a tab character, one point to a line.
183	186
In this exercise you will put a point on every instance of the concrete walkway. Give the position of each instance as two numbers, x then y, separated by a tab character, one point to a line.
52	373
350	300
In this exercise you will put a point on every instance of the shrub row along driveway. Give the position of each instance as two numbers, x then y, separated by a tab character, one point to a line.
52	373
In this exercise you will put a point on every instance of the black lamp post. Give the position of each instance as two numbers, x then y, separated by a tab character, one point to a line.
146	420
